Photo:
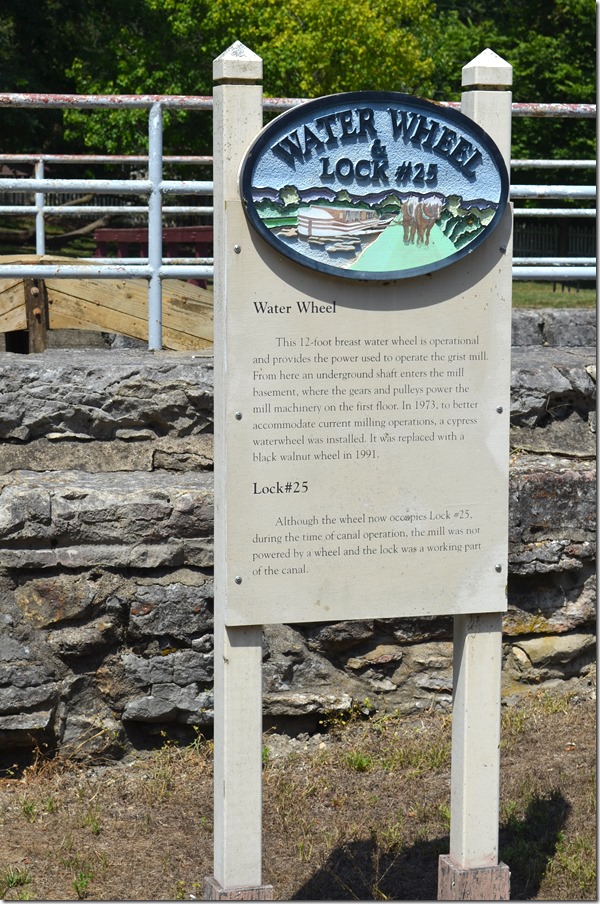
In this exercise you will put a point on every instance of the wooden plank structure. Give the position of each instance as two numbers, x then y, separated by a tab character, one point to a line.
107	305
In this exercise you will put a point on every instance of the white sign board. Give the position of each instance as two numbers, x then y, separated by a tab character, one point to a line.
367	437
363	427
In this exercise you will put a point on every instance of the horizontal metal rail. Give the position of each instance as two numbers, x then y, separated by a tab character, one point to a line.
270	105
102	158
552	192
554	261
107	186
190	187
106	271
564	212
156	189
208	160
192	261
547	111
554	274
106	101
553	164
196	271
94	211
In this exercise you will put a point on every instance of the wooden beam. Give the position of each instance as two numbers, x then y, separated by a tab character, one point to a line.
12	306
113	306
121	306
36	311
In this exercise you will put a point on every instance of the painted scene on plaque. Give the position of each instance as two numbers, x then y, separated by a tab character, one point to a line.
374	185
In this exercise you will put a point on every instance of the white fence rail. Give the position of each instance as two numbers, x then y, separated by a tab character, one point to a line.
37	196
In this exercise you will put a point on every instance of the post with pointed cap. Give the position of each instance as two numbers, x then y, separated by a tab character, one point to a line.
237	650
472	872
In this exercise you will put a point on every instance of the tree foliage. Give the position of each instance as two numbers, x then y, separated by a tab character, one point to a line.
309	48
37	46
551	47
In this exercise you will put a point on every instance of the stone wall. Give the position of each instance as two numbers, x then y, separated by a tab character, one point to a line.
106	553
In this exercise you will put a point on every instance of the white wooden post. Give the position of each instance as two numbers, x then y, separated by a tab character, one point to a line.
237	650
471	871
238	765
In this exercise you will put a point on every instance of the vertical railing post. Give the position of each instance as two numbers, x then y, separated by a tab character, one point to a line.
40	201
155	151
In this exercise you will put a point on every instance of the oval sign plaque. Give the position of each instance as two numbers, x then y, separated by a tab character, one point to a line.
374	185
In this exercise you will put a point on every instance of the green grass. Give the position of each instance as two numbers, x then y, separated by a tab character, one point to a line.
360	762
15	878
29	809
553	295
576	861
81	883
361	813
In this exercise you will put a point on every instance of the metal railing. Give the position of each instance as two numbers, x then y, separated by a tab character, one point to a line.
557	269
155	189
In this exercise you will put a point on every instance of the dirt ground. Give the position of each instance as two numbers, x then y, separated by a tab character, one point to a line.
357	812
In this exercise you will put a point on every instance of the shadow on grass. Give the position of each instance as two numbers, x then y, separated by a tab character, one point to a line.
360	870
363	871
527	845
